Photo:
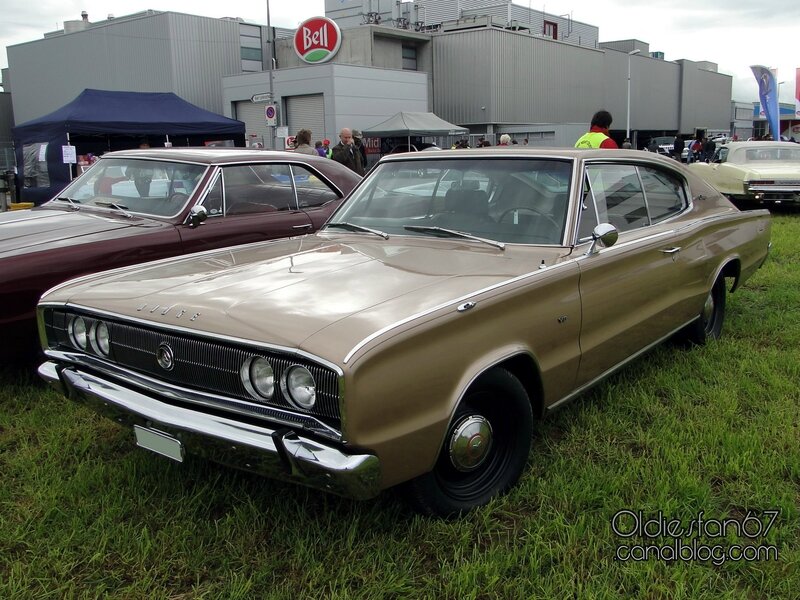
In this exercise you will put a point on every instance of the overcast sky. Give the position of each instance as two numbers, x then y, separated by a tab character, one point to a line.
732	33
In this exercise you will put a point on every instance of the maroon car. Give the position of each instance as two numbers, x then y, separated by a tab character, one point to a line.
139	205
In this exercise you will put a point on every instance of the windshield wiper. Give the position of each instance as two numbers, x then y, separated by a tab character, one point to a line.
454	233
74	204
120	207
354	227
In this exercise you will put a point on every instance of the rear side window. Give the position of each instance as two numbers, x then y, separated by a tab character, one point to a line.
629	197
311	190
663	192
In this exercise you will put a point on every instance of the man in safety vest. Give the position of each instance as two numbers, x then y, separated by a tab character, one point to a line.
598	134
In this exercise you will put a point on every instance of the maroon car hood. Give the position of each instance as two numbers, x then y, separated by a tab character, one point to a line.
43	228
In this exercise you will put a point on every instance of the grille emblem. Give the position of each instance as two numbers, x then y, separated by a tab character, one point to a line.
165	356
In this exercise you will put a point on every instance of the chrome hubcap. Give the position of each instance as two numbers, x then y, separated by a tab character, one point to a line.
470	443
708	309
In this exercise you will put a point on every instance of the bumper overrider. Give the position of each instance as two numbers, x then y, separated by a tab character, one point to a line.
173	431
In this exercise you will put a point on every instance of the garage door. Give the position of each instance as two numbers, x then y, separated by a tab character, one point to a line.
253	117
307	112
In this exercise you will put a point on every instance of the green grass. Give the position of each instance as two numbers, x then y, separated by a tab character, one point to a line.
84	514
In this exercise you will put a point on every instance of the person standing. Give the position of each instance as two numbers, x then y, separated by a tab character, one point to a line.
326	145
302	143
597	136
505	139
626	145
358	142
677	148
710	147
346	153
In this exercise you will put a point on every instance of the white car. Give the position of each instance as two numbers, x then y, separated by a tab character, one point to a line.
755	172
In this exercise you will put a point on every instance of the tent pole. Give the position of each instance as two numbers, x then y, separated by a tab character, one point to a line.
70	164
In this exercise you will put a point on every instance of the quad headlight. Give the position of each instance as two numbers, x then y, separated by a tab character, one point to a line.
100	338
299	386
258	377
78	333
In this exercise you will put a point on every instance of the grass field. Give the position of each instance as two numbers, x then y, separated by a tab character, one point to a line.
698	435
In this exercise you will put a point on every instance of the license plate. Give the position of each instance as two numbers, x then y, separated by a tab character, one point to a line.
158	442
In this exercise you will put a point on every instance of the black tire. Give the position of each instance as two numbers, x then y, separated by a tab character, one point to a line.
453	487
708	325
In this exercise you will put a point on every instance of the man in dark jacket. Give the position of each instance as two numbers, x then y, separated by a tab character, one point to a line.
346	153
677	147
709	148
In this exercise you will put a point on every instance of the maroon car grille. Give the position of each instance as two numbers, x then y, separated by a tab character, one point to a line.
202	364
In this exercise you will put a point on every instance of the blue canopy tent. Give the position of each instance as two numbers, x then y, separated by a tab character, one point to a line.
112	121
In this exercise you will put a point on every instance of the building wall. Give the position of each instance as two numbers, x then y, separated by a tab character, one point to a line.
354	96
705	99
655	90
479	78
366	45
162	52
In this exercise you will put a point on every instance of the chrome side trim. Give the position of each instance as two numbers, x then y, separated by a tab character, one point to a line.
278	453
616	367
454	301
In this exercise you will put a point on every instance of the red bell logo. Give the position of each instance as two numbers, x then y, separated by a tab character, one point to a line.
317	40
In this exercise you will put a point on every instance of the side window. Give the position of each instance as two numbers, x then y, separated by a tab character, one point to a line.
664	193
618	194
213	200
258	188
311	190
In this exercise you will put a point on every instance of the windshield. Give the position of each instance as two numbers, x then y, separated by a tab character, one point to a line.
151	187
520	201
782	151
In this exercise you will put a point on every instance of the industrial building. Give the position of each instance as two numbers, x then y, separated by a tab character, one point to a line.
489	65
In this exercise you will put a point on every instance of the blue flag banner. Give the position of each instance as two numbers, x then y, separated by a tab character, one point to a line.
768	95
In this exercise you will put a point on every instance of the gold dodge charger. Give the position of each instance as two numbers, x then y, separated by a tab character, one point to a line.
453	297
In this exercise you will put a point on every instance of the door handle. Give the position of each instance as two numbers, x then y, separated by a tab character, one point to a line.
671	250
306	226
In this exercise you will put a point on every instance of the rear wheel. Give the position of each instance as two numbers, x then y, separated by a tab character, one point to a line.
484	451
708	326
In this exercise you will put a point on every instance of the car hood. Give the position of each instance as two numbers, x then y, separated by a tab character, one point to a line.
287	292
24	231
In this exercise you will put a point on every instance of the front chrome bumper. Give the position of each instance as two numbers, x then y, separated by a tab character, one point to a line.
279	453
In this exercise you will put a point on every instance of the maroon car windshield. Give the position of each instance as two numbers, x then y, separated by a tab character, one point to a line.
151	187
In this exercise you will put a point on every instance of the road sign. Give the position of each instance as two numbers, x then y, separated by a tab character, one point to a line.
257	98
271	115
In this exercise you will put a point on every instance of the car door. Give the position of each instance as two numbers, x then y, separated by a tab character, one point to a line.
248	203
637	291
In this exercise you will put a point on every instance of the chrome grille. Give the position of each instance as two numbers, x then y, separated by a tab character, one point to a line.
203	364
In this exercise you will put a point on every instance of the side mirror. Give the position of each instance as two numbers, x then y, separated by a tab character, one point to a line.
604	235
197	215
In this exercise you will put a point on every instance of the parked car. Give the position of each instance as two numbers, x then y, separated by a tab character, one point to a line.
450	300
665	144
755	172
413	148
140	205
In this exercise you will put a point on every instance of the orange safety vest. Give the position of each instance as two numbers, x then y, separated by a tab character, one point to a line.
593	139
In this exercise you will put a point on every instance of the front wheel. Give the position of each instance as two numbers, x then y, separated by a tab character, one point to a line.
708	326
484	451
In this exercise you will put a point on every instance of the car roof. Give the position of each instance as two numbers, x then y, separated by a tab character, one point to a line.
212	155
517	151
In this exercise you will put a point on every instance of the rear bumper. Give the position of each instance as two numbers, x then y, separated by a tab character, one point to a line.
277	452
